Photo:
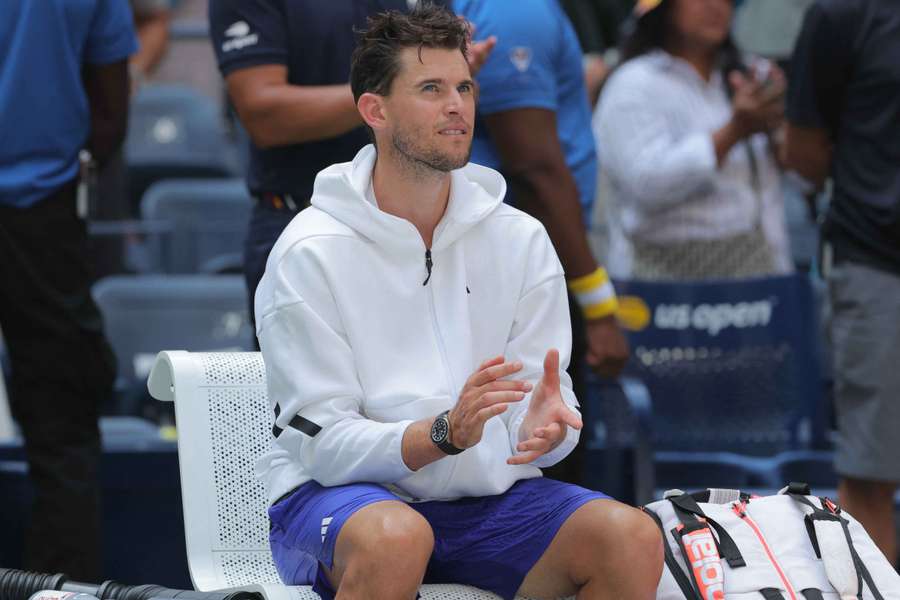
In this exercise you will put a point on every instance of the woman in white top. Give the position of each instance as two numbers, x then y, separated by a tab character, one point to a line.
684	134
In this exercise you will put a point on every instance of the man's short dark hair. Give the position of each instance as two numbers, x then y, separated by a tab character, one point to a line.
376	59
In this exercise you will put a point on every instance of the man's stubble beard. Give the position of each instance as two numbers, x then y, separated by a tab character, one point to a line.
425	161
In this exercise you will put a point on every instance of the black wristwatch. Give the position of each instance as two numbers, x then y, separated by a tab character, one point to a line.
440	434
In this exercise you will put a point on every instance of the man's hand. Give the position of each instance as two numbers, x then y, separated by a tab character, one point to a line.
607	350
478	51
548	416
485	395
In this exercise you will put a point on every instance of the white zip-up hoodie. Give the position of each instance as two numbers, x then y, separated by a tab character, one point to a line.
356	347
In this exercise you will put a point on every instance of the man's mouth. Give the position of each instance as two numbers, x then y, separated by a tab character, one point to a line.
453	131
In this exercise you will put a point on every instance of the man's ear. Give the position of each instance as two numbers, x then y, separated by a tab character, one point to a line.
371	109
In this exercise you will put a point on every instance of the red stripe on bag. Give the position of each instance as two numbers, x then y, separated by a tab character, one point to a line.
740	511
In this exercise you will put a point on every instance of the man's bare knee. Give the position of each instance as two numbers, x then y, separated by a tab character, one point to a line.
395	529
383	544
606	548
628	551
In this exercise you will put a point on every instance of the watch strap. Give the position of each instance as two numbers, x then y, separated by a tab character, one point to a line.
445	446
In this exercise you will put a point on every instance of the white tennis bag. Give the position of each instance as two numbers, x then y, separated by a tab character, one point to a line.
791	546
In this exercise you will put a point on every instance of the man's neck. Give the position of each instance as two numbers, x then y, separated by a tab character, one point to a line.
412	192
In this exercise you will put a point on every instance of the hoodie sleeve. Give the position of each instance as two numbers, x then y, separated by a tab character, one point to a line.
313	382
542	322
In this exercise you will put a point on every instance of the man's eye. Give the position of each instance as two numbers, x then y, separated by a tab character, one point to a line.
465	88
429	88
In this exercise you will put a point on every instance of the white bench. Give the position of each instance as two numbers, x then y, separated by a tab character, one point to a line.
224	424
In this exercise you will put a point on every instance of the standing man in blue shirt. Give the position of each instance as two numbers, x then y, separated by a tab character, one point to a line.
286	64
534	126
62	366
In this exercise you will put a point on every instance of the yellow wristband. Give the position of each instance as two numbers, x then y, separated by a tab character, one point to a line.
595	294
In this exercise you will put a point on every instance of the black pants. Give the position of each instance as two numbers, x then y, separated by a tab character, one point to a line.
266	224
62	370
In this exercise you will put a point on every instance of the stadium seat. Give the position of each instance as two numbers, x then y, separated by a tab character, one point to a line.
224	425
206	221
174	132
144	314
733	372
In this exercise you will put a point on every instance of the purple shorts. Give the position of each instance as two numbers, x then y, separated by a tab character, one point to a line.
489	542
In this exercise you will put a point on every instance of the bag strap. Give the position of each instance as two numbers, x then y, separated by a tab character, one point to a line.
812	594
674	568
689	512
829	534
698	545
771	594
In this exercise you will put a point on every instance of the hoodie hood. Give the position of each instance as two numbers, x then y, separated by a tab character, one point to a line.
475	192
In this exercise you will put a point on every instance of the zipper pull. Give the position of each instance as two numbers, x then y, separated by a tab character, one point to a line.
428	265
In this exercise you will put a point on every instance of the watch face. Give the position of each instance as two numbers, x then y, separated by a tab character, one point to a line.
439	431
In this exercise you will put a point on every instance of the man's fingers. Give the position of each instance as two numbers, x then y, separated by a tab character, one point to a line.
549	432
489	412
524	459
535	444
490	362
493	372
492	398
571	418
551	368
507	385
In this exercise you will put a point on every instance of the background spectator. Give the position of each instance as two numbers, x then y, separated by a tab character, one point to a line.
598	26
683	126
151	21
533	125
844	114
62	367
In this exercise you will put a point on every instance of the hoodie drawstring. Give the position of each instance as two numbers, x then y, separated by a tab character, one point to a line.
428	265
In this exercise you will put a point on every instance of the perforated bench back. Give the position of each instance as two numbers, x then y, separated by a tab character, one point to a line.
224	425
221	411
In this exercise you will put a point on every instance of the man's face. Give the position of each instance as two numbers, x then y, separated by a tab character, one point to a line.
430	109
702	23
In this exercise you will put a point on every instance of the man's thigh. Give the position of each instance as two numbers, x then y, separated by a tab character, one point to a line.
591	536
306	523
492	542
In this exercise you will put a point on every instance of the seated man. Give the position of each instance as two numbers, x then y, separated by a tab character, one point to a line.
403	452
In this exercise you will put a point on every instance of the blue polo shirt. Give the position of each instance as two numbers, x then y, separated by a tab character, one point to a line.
537	63
314	40
45	118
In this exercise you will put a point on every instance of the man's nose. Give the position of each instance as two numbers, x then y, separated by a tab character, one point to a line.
454	103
